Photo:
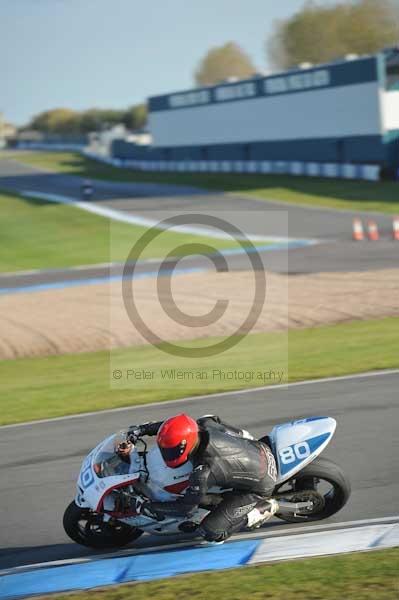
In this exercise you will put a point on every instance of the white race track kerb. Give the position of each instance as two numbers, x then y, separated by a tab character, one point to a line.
322	543
132	219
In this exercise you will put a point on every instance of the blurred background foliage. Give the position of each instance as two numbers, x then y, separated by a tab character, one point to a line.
223	62
64	120
323	33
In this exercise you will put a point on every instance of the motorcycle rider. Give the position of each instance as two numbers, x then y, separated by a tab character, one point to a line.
222	456
86	189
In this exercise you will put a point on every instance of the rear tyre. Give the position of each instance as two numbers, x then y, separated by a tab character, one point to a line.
88	528
324	483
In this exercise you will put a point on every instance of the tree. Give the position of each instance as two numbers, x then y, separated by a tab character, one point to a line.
223	62
66	121
320	33
58	120
135	117
96	119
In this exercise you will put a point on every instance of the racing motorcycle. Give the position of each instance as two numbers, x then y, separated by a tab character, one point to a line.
308	487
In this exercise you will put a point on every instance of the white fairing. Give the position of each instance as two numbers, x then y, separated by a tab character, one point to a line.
296	444
93	489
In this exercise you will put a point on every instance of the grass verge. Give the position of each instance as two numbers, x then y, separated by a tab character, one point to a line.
37	234
332	193
363	576
38	388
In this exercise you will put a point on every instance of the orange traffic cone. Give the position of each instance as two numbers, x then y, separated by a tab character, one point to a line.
395	228
358	233
372	231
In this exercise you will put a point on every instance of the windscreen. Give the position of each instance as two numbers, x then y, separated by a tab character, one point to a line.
107	463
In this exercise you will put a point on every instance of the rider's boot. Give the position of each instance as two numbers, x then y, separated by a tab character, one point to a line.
212	542
210	539
262	512
205	542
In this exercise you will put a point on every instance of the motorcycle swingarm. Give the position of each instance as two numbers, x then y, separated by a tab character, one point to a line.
293	507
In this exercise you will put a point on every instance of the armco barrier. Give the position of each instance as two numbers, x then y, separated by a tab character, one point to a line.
296	168
276	167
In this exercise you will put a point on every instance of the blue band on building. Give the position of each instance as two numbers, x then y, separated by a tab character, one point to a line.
349	73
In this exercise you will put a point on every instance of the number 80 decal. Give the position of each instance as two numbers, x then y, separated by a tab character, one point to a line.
296	452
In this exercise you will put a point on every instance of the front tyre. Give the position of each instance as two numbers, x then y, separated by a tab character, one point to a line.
88	528
324	483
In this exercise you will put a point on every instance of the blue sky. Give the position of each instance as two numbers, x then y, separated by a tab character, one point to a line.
114	53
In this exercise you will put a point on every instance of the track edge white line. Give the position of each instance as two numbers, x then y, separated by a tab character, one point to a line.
201	397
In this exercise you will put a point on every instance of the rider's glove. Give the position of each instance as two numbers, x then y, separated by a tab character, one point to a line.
151	428
124	449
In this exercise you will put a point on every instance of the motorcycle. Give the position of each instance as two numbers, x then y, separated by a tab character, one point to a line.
308	487
86	190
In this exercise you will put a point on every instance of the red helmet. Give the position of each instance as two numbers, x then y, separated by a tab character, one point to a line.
176	438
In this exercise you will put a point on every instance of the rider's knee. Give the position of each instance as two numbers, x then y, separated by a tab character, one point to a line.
212	535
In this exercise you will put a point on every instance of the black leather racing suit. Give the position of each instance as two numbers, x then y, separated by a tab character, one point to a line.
226	459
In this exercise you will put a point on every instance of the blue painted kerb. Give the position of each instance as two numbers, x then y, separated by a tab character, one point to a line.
112	571
40	287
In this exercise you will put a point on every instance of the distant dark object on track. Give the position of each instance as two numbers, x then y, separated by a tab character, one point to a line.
87	190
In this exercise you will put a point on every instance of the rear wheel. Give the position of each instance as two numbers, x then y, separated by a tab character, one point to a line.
323	483
88	528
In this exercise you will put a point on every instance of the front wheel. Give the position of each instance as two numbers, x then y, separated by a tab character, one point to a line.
323	483
88	528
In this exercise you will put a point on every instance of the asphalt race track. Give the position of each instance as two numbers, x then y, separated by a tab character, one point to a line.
336	252
40	462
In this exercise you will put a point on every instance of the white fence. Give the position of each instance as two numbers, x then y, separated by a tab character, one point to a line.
310	169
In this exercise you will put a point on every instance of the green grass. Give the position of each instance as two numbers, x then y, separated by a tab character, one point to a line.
37	234
38	388
334	193
363	576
